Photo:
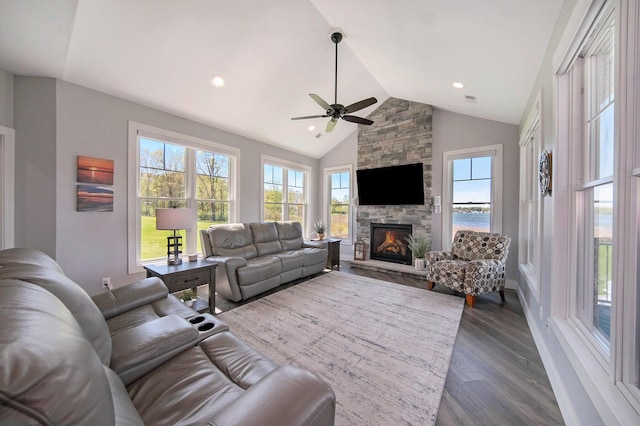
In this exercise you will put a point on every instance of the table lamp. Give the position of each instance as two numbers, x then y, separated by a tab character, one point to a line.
173	219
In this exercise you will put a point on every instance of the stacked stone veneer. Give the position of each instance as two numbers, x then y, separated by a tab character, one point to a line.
401	134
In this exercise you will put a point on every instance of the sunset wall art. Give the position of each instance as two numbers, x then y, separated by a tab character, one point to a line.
92	198
95	170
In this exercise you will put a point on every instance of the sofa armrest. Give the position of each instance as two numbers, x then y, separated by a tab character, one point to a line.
433	256
131	296
140	349
288	396
226	275
321	244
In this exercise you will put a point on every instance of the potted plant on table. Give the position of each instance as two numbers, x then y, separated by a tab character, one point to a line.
319	227
188	297
418	246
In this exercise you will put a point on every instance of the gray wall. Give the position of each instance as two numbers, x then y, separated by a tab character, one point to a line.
6	99
453	131
57	121
35	190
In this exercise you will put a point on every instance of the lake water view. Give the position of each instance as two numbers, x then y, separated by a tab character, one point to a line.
473	221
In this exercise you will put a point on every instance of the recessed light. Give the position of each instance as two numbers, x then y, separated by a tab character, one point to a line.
217	81
458	85
311	128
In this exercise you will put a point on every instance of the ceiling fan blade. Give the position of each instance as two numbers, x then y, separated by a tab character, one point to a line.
310	116
359	120
359	105
331	124
321	102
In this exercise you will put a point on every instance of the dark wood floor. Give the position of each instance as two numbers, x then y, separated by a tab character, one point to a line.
496	376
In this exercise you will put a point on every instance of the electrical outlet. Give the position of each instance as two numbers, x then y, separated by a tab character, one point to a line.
106	283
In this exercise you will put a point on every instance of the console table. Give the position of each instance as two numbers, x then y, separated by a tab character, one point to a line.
188	275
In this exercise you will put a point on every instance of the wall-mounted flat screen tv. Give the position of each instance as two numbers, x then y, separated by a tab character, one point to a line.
395	185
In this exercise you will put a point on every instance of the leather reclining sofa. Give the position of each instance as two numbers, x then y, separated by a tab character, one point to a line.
134	356
256	257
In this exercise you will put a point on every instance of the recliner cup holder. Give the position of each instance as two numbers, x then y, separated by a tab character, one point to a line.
197	320
206	327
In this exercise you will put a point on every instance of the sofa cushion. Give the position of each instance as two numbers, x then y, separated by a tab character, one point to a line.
74	297
47	362
259	269
232	239
265	238
291	259
290	235
313	256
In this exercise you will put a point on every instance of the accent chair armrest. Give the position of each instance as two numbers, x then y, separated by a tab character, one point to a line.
434	256
287	396
130	296
140	349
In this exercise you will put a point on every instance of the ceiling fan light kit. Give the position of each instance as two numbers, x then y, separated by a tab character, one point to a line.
338	111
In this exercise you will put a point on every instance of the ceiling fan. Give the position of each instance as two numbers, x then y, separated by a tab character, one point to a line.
336	110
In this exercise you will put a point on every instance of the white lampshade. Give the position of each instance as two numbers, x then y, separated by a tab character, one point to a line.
173	219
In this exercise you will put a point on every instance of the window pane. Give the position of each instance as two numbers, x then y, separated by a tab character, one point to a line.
339	218
296	212
162	169
603	73
472	191
603	261
272	212
481	168
603	143
471	217
462	169
153	243
212	171
340	196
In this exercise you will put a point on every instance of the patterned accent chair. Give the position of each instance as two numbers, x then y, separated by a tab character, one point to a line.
475	264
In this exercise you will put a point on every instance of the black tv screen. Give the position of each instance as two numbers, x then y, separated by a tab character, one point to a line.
395	185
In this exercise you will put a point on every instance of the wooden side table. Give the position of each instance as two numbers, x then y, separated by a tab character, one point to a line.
188	275
333	259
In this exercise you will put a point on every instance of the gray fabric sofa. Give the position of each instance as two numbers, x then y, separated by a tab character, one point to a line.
62	364
256	257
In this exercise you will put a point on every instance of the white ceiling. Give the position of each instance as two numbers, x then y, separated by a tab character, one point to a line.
273	53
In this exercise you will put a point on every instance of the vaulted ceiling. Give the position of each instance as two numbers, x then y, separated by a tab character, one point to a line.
272	54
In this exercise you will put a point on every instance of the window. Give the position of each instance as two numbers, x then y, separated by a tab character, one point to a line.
530	204
596	215
284	191
172	170
472	196
593	191
338	198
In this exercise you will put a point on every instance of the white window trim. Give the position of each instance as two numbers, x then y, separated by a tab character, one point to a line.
326	201
533	127
447	184
615	401
267	159
133	209
7	183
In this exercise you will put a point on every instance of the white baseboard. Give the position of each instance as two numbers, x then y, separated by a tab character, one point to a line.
559	390
511	284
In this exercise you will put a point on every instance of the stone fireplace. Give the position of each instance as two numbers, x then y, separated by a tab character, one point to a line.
390	242
401	134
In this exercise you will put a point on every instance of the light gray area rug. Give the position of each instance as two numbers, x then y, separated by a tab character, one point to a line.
383	347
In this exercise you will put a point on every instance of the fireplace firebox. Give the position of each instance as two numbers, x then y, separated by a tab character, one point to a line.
390	242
